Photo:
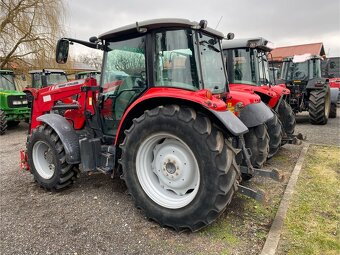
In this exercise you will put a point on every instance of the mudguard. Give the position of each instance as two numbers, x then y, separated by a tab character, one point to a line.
334	95
231	122
316	83
67	135
255	114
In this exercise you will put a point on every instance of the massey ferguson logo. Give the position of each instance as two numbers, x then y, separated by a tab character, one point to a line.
67	84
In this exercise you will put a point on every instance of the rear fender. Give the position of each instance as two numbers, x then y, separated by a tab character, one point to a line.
32	91
67	135
317	83
214	107
255	114
334	95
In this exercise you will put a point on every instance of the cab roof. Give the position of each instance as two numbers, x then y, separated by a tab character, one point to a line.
86	72
148	25
6	71
302	58
256	42
47	71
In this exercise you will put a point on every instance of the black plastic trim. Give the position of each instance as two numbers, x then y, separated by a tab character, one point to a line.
255	114
67	135
231	122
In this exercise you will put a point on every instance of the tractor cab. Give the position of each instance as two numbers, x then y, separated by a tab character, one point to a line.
47	77
274	74
7	80
246	61
152	56
87	74
300	69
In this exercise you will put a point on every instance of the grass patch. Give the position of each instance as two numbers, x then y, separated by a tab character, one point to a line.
221	230
311	226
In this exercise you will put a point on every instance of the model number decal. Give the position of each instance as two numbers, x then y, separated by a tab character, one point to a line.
47	98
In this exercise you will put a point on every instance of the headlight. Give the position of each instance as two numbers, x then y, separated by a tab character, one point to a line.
17	102
24	102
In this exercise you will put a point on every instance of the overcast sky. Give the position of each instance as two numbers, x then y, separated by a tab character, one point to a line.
284	22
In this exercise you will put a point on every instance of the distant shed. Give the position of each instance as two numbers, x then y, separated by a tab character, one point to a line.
279	53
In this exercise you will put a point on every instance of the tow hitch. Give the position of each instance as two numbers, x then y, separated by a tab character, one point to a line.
258	195
294	139
274	174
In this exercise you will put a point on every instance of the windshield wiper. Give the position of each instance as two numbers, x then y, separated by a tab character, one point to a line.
210	46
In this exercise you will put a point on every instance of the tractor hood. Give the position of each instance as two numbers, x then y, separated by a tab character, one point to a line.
11	92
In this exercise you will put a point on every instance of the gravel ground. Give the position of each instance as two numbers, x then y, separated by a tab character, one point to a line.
324	134
96	216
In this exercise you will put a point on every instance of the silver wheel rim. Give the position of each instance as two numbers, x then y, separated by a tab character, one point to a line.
167	170
43	159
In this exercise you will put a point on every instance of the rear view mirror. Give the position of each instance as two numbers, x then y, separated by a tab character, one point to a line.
62	51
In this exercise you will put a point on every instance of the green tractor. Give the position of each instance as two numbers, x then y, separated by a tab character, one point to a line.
13	103
47	77
86	74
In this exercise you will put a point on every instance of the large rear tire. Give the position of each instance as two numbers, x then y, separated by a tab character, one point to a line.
274	128
332	112
178	167
287	117
319	106
3	122
257	140
47	160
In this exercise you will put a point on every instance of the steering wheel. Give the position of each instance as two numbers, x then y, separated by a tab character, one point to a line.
300	75
140	81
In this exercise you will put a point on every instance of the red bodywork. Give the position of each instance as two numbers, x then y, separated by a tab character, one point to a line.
202	97
45	98
334	83
274	92
244	97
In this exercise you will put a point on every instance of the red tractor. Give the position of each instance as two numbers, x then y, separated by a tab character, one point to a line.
247	67
254	114
163	127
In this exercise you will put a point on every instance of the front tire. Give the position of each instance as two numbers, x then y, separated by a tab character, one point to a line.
46	157
3	122
319	106
287	118
181	172
257	140
332	112
274	128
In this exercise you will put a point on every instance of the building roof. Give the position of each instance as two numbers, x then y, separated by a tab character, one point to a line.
280	53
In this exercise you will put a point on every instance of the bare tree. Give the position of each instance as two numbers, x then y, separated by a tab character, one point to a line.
29	28
93	59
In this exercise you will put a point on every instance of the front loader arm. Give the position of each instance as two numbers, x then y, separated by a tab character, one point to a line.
71	95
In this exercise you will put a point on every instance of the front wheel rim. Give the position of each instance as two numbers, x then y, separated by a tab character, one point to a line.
167	170
43	159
